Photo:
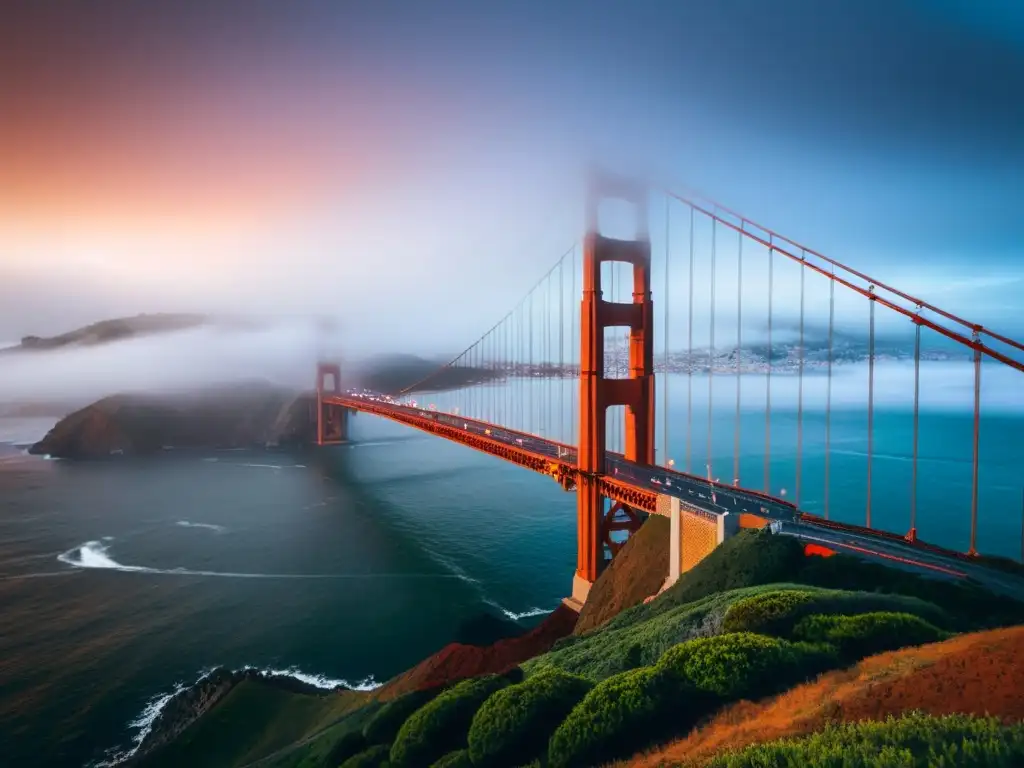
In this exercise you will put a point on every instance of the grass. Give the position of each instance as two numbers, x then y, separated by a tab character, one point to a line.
755	617
980	673
911	741
253	721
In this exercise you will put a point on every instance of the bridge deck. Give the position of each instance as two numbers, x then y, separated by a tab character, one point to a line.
639	487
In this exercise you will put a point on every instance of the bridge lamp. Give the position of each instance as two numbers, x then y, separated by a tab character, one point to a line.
671	462
782	492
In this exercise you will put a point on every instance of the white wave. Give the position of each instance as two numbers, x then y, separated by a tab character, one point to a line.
318	681
143	724
96	554
208	526
524	615
266	466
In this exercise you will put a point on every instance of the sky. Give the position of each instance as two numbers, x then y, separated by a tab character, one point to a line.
411	169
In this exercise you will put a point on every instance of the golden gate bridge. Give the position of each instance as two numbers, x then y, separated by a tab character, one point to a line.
565	385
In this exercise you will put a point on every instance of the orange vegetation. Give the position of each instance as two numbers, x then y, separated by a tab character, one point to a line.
981	673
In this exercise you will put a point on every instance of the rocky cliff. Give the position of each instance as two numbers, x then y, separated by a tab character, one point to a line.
251	415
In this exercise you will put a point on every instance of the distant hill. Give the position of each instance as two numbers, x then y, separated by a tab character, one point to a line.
252	414
107	331
392	374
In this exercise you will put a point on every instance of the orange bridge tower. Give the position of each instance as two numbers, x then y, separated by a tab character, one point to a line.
331	418
594	523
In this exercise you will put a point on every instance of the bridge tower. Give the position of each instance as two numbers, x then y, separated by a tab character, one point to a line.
597	393
331	419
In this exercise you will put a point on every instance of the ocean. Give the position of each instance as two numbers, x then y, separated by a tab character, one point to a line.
122	581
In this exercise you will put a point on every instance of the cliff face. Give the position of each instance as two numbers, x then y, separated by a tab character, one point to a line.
245	416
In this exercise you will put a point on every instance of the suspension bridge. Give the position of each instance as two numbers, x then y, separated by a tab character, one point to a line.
565	385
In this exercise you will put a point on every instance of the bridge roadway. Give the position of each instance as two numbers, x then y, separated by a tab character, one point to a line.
639	486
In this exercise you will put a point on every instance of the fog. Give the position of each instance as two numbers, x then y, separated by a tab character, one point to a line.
413	174
284	353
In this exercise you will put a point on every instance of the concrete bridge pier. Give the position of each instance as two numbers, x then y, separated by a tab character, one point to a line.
694	534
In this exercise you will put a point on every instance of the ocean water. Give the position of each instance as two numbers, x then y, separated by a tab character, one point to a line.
120	581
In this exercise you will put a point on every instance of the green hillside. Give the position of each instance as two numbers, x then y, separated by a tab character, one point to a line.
754	619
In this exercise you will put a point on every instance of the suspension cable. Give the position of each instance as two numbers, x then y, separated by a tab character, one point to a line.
800	398
768	384
912	534
871	400
689	363
739	365
828	390
711	344
665	371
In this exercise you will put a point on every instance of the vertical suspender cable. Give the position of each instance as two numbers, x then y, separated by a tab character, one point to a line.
828	389
609	347
520	358
548	404
800	389
574	344
711	342
665	371
531	424
768	380
689	364
977	434
561	351
739	366
871	397
912	534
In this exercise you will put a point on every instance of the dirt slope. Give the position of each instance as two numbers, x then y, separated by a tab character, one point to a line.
980	673
457	661
637	572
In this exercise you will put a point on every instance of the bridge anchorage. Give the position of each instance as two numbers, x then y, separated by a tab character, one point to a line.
331	418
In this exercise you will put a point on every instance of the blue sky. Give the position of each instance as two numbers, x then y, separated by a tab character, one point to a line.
394	160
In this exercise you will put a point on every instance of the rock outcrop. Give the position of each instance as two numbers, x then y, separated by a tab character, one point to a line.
189	704
252	415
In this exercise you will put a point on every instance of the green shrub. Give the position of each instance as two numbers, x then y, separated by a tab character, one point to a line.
618	647
762	613
777	612
352	743
750	558
868	633
459	759
911	741
967	602
742	665
441	725
374	757
383	727
621	715
513	726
